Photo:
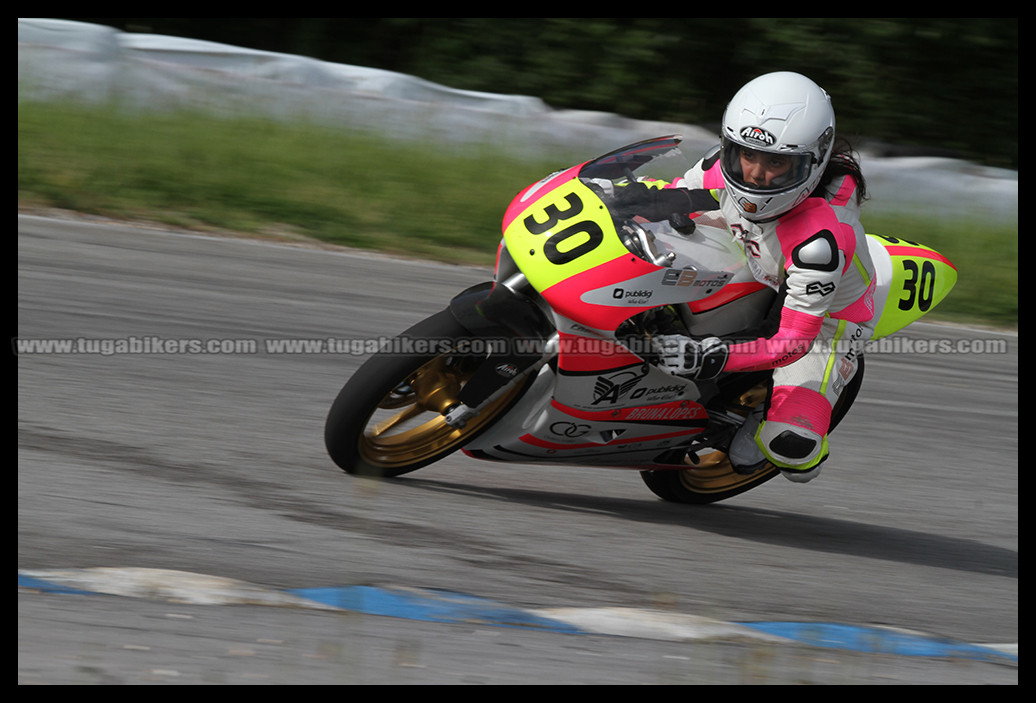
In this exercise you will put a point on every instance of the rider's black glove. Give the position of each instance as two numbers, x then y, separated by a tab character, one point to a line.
656	204
682	356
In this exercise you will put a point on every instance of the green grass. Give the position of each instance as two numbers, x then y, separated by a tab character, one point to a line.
986	259
255	176
258	177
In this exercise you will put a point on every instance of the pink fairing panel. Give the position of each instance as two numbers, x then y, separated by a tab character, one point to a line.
791	341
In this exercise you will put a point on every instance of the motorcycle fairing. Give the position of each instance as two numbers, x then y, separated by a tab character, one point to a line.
563	238
622	437
607	404
559	230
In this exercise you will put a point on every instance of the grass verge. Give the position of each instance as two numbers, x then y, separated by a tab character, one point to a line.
256	176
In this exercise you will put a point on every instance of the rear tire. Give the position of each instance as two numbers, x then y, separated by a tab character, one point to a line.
713	479
387	419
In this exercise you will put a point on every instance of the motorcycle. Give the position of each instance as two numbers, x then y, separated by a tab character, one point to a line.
551	361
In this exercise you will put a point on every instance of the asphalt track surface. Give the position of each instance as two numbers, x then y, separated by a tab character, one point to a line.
180	523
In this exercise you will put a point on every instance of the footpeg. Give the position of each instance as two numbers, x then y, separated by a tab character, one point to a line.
458	415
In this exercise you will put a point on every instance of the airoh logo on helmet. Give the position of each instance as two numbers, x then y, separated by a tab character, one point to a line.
757	134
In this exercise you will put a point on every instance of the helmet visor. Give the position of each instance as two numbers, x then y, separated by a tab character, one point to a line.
760	171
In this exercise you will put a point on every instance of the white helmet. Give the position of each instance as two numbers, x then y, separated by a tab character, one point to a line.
782	113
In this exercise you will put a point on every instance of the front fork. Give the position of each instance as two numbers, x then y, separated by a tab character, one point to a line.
511	327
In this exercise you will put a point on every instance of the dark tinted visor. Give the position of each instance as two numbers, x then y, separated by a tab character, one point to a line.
764	171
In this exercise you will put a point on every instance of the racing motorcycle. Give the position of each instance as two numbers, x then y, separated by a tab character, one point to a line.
551	361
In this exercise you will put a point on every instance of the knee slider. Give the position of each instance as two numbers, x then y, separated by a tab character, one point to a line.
791	447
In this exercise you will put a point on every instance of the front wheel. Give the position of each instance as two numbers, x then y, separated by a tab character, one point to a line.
387	419
713	479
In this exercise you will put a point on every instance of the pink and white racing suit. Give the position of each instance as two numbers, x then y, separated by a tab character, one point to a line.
816	255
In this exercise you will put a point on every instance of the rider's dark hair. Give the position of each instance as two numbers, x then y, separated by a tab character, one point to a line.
843	163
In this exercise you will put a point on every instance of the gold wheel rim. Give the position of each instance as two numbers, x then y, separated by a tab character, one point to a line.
714	474
408	427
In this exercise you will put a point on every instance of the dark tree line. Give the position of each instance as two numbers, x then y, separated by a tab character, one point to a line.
934	85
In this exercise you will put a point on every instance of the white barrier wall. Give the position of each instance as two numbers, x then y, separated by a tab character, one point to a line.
59	58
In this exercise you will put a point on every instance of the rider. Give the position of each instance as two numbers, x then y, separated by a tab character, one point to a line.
792	204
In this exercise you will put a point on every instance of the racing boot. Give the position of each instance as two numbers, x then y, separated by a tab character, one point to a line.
798	451
745	455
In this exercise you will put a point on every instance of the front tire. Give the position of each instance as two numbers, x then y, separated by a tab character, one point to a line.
387	419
